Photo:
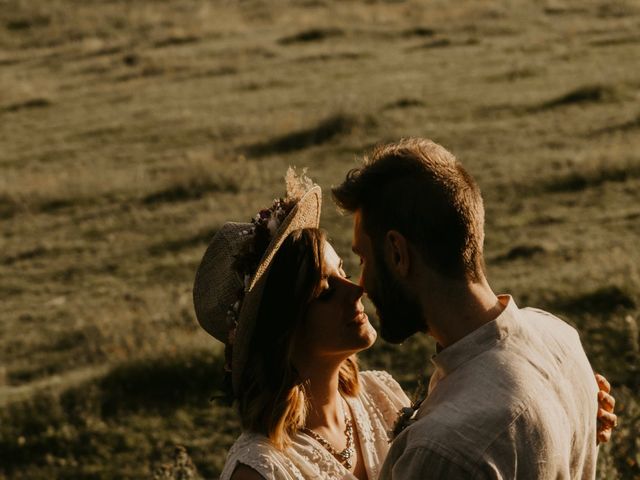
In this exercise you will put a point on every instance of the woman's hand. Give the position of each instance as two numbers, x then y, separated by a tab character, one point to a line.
607	420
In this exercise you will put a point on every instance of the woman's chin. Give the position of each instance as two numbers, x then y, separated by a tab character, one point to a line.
369	336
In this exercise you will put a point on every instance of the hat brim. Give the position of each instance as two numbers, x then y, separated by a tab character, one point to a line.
305	214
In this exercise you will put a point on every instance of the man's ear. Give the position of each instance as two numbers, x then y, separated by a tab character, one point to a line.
397	252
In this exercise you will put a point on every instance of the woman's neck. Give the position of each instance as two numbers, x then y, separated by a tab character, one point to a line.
325	404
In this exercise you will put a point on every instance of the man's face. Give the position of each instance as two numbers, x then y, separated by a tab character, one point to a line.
397	308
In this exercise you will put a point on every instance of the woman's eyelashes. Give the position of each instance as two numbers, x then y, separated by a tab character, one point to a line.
329	283
326	293
329	286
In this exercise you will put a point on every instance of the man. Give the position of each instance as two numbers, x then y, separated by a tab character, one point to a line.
513	394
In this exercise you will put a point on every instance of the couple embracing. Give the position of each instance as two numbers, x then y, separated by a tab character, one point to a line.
512	394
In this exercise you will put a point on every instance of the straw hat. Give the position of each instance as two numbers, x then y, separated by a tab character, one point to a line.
226	299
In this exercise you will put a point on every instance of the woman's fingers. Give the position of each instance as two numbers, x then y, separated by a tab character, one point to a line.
603	384
607	419
606	401
604	435
606	423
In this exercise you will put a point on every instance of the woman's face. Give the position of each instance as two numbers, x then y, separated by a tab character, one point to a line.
335	324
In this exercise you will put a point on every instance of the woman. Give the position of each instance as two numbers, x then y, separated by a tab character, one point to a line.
274	291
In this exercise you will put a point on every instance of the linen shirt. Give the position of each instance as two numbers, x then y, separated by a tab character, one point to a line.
516	398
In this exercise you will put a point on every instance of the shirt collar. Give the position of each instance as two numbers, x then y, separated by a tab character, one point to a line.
480	340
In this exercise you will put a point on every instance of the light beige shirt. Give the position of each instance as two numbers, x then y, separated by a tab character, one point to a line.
514	399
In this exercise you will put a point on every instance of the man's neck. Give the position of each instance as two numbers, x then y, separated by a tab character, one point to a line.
454	309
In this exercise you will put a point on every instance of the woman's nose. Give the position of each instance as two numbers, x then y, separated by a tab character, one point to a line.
358	291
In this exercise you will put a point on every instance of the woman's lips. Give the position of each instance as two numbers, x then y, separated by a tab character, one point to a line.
360	319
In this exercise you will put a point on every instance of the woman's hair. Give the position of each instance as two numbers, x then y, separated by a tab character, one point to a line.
272	398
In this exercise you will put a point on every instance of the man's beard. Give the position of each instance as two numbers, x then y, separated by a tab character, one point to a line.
399	311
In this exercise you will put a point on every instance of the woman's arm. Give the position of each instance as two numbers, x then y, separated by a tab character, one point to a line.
244	472
607	420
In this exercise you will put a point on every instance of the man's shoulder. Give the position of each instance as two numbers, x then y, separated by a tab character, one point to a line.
555	330
450	443
466	417
544	319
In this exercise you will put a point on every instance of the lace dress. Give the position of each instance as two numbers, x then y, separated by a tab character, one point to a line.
374	411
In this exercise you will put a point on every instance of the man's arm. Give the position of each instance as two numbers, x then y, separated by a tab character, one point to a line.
423	462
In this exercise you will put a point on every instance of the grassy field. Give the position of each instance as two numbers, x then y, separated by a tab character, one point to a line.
131	131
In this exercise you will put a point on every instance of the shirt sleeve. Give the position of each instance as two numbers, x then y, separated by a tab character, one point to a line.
424	462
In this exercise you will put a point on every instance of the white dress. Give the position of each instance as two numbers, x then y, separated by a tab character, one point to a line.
374	411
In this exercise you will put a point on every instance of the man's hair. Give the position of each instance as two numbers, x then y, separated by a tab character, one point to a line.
421	190
272	399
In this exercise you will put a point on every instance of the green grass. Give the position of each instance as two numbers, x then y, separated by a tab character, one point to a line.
131	131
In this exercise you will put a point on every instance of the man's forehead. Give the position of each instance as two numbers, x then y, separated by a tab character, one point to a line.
357	232
357	222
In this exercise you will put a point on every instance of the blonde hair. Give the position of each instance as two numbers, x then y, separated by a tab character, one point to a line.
272	398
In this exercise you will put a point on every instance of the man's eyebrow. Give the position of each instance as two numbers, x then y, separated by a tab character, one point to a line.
354	249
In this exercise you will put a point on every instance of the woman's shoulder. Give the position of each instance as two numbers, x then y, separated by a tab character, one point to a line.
255	451
381	385
375	377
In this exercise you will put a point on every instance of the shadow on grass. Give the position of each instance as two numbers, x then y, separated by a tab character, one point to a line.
418	32
9	206
177	245
24	23
630	126
311	35
614	41
160	384
583	95
335	126
604	300
326	57
580	180
176	40
403	103
24	255
435	43
30	104
525	251
192	188
83	421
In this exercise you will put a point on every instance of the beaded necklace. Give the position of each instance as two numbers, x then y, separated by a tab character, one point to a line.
345	457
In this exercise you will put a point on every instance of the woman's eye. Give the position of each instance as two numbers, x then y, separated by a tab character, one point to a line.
326	293
361	261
